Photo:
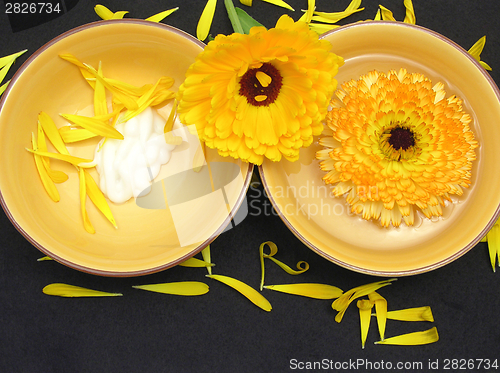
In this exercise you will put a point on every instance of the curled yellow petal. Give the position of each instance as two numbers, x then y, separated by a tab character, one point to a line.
410	13
119	15
103	12
253	295
65	290
76	161
97	198
280	3
97	126
412	314
381	312
364	307
341	303
160	16
311	290
47	182
70	134
311	6
206	19
301	266
89	78
83	198
246	2
386	14
413	339
205	253
50	129
476	50
334	17
187	288
196	263
56	176
493	237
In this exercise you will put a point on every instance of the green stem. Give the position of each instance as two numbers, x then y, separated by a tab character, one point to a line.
233	17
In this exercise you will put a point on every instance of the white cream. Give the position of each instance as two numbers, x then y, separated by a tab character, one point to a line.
127	167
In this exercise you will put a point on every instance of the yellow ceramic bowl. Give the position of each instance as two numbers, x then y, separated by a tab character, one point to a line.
147	240
325	224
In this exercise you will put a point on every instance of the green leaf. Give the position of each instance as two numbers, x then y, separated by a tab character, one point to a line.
246	21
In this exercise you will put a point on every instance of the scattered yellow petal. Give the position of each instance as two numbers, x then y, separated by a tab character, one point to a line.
206	19
89	78
274	251
50	129
169	125
56	176
413	339
246	2
317	291
321	28
65	290
378	16
334	17
476	50
47	182
44	258
260	98
364	307
205	253
493	237
76	161
106	14
280	3
99	127
160	16
97	198
410	13
70	134
253	295
386	14
263	78
412	314
484	239
197	263
127	88
83	198
4	61
341	303
187	288
311	6
381	312
100	104
4	87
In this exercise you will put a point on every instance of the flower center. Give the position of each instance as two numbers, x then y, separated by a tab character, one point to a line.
398	142
261	86
401	138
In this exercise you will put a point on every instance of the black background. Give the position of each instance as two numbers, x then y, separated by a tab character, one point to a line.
222	331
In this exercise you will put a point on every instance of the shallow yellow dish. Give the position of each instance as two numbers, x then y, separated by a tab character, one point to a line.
326	225
147	239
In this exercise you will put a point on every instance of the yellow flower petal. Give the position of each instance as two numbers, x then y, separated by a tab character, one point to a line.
10	58
205	253
56	176
65	290
364	307
253	295
97	198
47	182
412	314
476	50
386	14
119	14
334	17
76	161
381	312
246	2
103	12
280	3
169	125
83	198
69	134
206	19
413	339
4	87
410	13
100	104
89	78
197	263
311	6
321	28
99	127
493	237
317	291
187	288
378	16
50	129
44	258
341	303
160	16
274	251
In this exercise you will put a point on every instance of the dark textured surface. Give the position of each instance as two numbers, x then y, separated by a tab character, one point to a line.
222	331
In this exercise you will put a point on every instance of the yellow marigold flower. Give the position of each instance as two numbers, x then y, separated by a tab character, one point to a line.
260	95
398	143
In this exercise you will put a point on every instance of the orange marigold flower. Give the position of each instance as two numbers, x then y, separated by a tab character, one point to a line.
397	144
260	95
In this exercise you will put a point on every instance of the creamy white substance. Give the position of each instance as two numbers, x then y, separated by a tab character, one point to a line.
127	167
